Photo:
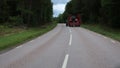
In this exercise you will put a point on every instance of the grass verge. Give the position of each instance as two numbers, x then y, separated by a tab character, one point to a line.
109	32
14	39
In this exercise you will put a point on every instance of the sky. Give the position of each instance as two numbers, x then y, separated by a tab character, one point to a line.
59	6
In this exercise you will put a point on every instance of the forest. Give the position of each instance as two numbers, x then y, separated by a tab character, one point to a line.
23	20
105	12
28	13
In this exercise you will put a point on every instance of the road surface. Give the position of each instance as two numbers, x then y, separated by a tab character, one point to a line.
65	47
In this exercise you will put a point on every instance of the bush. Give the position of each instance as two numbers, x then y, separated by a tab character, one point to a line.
16	20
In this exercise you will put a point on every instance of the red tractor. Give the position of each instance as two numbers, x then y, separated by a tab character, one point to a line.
74	21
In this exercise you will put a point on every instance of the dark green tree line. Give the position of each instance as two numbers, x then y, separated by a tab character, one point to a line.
25	12
110	12
106	12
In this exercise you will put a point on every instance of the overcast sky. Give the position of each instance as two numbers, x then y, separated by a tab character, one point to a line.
59	6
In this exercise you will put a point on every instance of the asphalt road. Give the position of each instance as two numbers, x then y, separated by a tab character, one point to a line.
65	47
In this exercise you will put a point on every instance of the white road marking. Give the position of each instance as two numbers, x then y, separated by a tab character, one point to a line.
32	41
19	46
113	41
69	30
65	61
70	41
105	37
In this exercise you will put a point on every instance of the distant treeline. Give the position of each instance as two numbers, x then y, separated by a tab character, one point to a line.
25	12
106	12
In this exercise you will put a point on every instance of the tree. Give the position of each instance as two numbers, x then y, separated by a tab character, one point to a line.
106	12
27	12
111	13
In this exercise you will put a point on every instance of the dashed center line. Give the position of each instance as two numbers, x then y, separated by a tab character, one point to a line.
67	56
65	61
69	30
70	41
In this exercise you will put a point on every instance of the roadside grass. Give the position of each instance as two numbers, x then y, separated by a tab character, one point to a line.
5	30
109	32
22	36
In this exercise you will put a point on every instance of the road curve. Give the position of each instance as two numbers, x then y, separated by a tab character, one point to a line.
65	47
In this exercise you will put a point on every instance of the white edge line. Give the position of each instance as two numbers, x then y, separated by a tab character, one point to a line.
105	37
31	40
113	41
65	61
19	46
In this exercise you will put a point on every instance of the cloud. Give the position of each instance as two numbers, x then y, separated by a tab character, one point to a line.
58	9
60	1
59	6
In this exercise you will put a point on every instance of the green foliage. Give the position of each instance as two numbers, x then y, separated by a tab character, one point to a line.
60	19
115	34
24	35
111	13
16	20
106	12
29	12
2	28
